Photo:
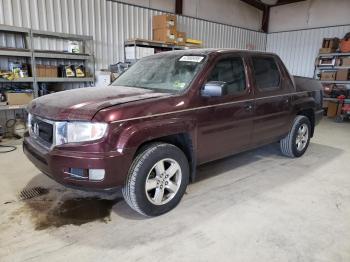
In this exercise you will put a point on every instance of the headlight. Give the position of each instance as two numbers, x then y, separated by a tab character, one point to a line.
73	132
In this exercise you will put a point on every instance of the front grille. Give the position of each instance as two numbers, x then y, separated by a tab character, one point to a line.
42	130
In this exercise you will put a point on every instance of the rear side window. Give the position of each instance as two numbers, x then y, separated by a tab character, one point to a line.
266	73
231	71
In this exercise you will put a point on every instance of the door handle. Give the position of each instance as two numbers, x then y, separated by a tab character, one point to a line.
248	106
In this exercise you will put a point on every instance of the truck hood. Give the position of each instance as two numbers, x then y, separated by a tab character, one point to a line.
84	103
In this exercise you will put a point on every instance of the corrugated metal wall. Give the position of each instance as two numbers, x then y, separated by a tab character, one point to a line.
111	23
298	49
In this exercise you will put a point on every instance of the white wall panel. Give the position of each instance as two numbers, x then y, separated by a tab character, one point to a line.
309	14
231	12
298	49
111	23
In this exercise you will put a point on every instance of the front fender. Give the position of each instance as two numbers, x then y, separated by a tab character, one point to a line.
135	134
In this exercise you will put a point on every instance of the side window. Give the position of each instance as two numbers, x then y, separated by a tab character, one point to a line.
231	71
266	72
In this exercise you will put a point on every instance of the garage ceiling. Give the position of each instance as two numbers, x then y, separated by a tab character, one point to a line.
265	5
262	4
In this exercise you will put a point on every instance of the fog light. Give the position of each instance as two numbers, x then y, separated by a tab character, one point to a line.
77	173
96	174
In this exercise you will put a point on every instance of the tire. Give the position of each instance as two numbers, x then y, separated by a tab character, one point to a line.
147	168
289	144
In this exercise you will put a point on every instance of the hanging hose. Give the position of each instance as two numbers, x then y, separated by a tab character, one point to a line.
11	148
10	123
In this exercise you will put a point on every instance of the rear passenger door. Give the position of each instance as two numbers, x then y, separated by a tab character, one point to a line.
225	125
272	100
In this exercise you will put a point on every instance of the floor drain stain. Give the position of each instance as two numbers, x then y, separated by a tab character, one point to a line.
32	192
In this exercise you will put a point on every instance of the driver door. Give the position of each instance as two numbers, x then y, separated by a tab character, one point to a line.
225	125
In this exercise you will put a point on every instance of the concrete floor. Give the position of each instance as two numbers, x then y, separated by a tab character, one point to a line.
256	206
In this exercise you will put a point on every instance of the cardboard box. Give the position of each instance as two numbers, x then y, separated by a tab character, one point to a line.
332	43
181	38
345	61
164	21
165	35
46	71
329	45
51	71
328	75
40	70
332	109
326	50
342	75
18	98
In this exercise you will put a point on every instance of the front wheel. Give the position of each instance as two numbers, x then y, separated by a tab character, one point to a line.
298	138
157	179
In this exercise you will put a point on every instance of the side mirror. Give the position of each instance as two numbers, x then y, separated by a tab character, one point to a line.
213	88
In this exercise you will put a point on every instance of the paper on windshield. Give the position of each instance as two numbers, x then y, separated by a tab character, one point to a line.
192	58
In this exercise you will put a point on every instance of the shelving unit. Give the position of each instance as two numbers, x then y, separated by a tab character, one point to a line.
20	80
334	67
15	52
60	55
152	44
65	79
32	55
13	107
333	54
85	57
333	63
335	82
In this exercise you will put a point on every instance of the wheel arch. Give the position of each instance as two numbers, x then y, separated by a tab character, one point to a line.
310	114
181	140
180	133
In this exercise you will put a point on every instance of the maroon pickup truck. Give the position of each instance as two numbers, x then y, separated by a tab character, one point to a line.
167	114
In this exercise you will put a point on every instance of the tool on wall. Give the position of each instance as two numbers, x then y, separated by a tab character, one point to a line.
16	127
8	148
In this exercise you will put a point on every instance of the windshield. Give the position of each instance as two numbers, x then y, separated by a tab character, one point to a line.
169	72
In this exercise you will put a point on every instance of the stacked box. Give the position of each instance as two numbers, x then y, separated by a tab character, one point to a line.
166	35
329	45
332	109
342	75
181	38
46	71
345	61
328	75
164	21
164	28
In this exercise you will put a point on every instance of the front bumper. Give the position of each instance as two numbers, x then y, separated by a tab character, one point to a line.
56	163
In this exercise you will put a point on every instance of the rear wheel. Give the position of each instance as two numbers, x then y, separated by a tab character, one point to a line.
298	138
157	179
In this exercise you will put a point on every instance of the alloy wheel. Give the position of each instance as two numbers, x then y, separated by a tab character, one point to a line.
163	181
302	137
